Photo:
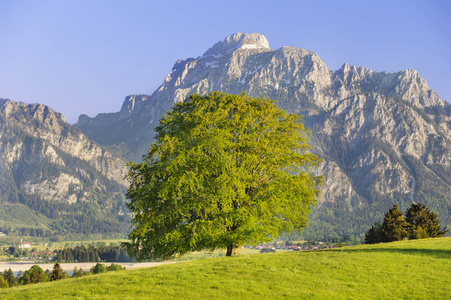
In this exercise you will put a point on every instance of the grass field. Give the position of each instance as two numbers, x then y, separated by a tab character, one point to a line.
418	269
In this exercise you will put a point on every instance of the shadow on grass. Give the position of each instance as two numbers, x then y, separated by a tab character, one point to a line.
444	254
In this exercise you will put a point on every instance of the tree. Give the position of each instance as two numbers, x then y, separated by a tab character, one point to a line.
34	275
394	227
225	170
114	267
98	268
9	277
423	223
78	273
57	272
3	283
374	235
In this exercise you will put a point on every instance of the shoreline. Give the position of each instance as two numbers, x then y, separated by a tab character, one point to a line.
23	266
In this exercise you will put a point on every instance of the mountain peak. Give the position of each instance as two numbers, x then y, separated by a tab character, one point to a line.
237	41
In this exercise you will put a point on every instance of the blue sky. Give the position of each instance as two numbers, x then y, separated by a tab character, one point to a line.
86	56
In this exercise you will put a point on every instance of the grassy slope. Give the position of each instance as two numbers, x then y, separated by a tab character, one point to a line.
19	215
409	269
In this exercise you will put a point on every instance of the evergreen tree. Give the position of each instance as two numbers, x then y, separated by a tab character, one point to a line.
19	275
9	277
57	272
423	223
78	273
374	235
394	227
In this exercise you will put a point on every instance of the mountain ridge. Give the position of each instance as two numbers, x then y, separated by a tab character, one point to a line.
51	169
384	137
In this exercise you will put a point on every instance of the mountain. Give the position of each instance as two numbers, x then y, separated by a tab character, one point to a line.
384	137
54	181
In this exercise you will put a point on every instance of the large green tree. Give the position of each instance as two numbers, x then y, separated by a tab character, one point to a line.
423	223
34	275
394	227
225	170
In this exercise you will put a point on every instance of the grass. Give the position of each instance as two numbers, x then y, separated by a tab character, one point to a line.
19	215
418	269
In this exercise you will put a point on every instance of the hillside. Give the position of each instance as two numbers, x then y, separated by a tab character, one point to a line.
384	137
54	180
417	269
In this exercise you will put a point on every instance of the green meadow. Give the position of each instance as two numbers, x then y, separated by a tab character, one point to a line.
415	269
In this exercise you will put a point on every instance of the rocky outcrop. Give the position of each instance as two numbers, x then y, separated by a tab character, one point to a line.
48	165
384	137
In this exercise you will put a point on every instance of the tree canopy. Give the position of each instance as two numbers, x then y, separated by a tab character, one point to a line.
423	222
394	227
225	170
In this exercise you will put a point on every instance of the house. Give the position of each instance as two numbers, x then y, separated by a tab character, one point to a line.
25	245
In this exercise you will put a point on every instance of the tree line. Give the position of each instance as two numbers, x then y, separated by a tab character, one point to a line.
36	274
419	222
92	254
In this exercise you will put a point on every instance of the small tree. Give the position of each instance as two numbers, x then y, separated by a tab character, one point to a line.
394	227
115	267
225	170
8	275
78	273
374	235
98	268
3	283
34	275
57	272
423	223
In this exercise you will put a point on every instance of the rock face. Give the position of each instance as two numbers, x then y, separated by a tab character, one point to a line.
384	137
53	169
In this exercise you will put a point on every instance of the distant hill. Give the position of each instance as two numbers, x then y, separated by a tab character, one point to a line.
384	137
54	181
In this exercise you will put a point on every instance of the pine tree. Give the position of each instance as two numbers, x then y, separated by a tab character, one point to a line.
57	272
423	223
374	234
394	227
9	277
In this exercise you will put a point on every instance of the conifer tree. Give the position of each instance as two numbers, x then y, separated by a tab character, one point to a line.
9	277
394	227
374	234
57	272
423	223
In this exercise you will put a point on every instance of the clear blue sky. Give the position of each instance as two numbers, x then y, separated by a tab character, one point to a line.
86	56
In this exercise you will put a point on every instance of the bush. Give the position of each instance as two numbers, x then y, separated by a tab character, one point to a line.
3	283
267	250
98	268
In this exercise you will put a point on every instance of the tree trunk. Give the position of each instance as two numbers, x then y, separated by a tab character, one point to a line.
232	250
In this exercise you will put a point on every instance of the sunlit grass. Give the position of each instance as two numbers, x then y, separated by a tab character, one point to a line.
408	269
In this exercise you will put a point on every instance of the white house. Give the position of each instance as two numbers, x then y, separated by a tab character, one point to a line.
25	245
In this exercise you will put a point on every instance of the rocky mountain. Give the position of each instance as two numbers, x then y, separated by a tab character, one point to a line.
55	181
384	137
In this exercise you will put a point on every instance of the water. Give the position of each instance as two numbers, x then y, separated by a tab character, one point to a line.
23	271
